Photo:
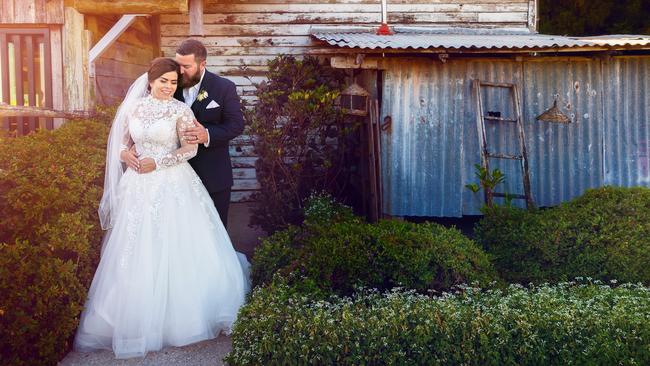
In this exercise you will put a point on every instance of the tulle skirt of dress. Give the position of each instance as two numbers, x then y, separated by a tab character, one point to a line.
168	274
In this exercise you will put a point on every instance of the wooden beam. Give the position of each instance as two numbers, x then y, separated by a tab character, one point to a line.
111	36
24	111
130	6
196	18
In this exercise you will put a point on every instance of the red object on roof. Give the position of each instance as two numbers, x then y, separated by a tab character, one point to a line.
384	30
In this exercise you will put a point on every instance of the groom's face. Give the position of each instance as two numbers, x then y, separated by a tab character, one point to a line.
191	70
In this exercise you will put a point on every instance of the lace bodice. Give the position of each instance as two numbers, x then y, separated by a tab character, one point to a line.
155	127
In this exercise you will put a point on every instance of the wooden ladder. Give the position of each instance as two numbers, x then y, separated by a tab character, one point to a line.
486	154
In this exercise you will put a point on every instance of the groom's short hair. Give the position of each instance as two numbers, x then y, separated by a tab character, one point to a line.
193	47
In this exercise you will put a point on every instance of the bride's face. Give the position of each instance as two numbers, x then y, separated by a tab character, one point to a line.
164	86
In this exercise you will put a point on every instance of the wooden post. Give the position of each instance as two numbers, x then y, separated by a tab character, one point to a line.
76	81
154	23
196	18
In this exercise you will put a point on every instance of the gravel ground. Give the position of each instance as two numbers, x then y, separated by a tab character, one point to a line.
209	352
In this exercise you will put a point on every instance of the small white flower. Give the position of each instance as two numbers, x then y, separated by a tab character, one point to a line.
202	95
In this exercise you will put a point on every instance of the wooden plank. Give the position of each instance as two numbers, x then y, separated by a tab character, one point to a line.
112	88
54	12
130	6
4	70
129	53
245	184
24	11
31	82
89	88
47	61
56	53
213	5
242	196
110	68
339	7
154	24
243	139
39	12
18	71
336	18
196	18
252	41
138	34
503	17
242	150
260	51
8	11
532	15
244	173
243	161
111	36
73	47
26	111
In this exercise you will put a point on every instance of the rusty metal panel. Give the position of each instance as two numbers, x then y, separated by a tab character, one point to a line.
627	112
565	159
430	151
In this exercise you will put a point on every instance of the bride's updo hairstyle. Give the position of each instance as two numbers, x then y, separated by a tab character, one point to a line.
160	66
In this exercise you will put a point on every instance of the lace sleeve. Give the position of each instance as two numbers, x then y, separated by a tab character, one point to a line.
126	142
185	151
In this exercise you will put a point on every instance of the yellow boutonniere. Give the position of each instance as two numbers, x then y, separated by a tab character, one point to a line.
202	95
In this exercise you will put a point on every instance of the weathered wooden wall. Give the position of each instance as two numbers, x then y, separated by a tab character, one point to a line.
31	11
250	32
242	35
124	60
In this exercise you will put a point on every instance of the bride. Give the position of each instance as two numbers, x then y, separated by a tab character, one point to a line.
168	273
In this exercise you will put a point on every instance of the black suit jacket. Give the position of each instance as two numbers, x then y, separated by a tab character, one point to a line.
225	122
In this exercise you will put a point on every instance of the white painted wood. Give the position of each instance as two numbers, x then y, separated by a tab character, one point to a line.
503	17
111	36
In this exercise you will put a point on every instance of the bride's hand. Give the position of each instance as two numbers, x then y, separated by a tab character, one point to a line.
147	165
130	157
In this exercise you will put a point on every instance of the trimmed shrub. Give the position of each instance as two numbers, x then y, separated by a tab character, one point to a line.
566	324
50	185
334	252
604	234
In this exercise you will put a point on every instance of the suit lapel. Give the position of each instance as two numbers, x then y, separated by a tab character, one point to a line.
198	105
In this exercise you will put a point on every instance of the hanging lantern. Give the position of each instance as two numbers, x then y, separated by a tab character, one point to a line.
354	100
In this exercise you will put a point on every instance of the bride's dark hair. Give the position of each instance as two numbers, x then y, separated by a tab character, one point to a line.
160	66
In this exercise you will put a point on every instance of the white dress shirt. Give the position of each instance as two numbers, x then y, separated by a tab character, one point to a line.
190	94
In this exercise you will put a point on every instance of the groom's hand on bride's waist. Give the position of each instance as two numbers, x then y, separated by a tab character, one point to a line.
147	165
197	134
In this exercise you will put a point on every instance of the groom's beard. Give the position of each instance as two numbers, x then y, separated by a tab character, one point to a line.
189	82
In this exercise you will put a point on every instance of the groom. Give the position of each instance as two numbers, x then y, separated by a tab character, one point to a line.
215	104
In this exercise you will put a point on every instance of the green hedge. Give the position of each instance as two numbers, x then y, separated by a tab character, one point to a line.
604	234
50	185
334	252
566	324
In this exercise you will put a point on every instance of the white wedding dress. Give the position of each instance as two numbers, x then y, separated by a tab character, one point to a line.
168	273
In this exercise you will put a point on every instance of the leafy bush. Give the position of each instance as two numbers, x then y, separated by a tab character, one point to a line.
567	324
40	303
50	185
301	139
603	234
336	251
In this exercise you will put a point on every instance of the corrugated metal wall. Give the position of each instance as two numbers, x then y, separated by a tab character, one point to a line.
430	152
627	111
